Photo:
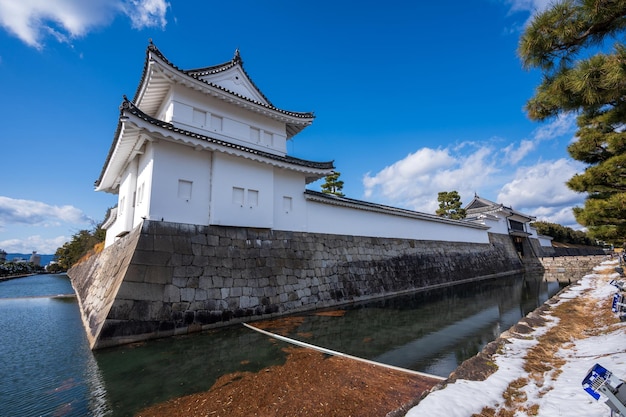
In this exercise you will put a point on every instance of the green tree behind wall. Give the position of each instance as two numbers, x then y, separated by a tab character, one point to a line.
80	245
450	205
563	234
333	184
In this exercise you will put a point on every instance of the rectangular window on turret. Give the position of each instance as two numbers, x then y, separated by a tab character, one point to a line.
268	139
253	198
255	135
199	118
516	225
184	189
287	204
216	123
140	194
238	196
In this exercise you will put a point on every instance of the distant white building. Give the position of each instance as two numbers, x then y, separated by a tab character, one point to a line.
205	146
35	258
504	220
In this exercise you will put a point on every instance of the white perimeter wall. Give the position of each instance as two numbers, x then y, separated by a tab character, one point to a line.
324	218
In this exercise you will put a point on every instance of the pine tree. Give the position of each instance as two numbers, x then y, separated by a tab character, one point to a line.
450	205
570	43
333	184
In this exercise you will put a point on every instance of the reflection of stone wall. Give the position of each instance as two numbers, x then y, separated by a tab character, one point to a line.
170	278
569	268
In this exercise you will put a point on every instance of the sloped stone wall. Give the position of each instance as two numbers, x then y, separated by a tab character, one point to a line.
96	282
182	278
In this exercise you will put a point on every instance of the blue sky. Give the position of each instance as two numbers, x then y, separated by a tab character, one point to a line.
411	98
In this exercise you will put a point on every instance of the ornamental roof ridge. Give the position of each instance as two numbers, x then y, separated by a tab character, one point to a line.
152	49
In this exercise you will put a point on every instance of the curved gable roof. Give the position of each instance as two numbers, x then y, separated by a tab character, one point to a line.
216	73
159	73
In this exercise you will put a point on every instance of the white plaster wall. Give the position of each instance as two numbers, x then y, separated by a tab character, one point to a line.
500	226
236	122
143	192
230	173
173	164
323	218
125	205
289	203
111	233
235	80
126	197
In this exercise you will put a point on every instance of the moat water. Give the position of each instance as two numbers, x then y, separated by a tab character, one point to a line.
47	368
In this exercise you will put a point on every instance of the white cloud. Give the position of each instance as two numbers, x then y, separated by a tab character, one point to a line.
533	6
413	182
33	20
37	243
147	13
514	155
563	216
543	183
36	213
562	125
507	175
540	190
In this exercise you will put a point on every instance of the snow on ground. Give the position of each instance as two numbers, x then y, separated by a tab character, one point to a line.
563	396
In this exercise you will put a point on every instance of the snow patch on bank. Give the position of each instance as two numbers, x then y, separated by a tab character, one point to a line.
562	396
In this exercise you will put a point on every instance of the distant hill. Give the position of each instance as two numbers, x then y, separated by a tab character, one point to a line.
45	259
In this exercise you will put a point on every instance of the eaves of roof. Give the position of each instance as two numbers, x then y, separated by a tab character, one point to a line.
128	108
380	208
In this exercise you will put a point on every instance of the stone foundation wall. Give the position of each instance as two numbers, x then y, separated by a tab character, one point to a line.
569	268
167	278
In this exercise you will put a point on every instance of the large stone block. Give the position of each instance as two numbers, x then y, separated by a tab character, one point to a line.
156	258
171	294
140	291
158	274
